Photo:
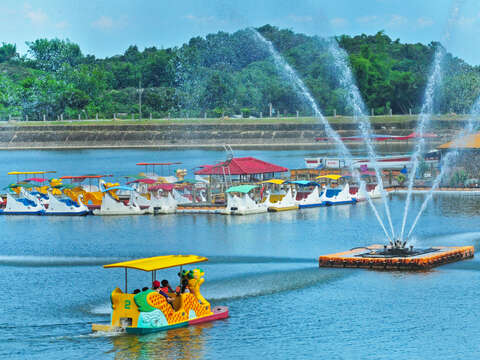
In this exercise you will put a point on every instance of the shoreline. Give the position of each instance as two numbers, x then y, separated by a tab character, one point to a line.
198	136
213	146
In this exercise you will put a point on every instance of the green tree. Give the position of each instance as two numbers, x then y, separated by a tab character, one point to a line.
7	52
50	55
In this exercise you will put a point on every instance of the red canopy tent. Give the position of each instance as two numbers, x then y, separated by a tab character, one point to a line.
166	187
241	166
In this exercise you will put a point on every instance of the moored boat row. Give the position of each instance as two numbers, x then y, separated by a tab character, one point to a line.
226	189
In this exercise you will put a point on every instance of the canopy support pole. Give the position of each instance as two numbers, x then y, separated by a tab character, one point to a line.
126	289
180	275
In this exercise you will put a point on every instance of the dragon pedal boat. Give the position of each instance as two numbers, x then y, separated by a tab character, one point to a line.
148	311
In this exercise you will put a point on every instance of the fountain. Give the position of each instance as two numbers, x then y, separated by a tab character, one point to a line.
447	161
291	76
355	100
427	110
424	119
395	255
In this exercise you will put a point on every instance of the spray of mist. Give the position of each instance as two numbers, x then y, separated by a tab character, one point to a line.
449	159
292	76
355	100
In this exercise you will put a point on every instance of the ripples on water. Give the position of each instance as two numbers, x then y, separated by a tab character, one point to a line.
263	267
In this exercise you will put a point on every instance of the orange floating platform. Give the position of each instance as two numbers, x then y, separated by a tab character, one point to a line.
369	258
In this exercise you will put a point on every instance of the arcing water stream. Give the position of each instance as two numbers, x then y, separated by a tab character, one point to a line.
291	75
448	160
424	118
427	110
355	100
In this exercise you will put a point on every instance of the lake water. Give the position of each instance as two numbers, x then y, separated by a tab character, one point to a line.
264	267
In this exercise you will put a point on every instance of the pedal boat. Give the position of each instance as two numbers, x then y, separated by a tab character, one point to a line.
240	203
65	207
111	206
27	204
332	197
149	311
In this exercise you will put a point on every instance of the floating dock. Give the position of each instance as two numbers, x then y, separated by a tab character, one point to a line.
372	257
200	208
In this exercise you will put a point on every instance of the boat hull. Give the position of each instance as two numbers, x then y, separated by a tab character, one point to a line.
117	213
333	203
40	212
219	312
305	206
60	213
285	208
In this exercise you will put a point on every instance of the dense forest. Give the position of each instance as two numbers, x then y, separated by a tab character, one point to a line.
224	74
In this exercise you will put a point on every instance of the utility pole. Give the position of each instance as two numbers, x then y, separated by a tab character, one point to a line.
140	92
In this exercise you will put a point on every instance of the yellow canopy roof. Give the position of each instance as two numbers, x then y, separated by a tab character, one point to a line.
159	262
466	142
29	172
273	181
330	176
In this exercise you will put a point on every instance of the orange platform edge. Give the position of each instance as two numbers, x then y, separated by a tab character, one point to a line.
443	255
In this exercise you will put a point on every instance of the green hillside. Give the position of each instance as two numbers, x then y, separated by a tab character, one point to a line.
224	74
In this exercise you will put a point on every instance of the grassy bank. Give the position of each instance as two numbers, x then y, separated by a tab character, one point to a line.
290	120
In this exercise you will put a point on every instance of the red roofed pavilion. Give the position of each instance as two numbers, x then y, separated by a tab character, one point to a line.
241	166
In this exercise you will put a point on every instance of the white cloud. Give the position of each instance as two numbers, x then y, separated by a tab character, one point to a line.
397	20
103	22
424	22
109	23
62	25
338	22
36	16
301	19
366	19
199	19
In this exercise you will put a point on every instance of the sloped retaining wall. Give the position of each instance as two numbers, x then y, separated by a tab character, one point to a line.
175	135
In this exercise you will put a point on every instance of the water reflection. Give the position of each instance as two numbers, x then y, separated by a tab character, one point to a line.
183	343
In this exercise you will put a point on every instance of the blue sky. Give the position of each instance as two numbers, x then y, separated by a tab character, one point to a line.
108	27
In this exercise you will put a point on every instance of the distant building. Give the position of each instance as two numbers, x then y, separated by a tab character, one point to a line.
467	161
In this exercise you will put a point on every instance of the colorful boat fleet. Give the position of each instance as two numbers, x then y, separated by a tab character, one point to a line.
240	186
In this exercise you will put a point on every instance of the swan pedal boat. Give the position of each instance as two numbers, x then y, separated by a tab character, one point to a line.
149	311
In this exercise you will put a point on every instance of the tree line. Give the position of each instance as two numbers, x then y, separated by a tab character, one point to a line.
225	74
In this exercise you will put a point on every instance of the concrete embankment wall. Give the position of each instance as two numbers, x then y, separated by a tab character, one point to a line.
183	135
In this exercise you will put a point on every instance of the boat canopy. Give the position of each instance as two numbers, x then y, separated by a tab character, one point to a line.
329	176
273	181
187	181
65	186
166	187
23	185
471	141
135	176
159	164
36	179
158	262
241	188
119	187
303	183
30	172
83	177
144	181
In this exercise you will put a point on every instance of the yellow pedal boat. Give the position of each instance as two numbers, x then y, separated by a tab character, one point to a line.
149	311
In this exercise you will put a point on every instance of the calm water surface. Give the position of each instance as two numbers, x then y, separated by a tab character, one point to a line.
262	266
